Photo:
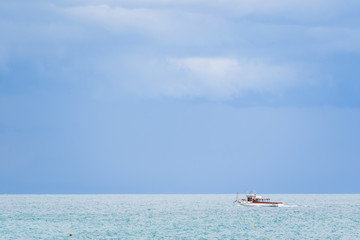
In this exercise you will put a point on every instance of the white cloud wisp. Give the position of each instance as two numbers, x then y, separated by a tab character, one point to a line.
214	78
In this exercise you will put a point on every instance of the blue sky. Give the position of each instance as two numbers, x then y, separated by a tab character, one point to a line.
163	96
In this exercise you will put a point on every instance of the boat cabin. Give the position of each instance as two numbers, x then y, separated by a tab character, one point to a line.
256	198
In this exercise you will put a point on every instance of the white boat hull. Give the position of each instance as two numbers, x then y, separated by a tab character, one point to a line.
269	204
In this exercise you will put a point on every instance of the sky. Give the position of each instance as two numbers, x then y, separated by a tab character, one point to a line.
160	96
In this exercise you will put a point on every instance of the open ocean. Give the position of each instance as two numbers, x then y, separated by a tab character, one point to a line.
304	216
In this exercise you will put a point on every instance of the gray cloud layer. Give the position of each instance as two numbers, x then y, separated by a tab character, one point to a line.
216	50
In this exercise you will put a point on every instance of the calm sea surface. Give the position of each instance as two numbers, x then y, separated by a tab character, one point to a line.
177	217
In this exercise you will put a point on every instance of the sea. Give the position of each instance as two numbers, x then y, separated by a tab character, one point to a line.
172	216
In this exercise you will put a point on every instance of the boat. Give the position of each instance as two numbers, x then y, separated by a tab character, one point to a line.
252	199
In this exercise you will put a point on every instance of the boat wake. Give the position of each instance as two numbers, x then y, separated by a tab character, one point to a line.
290	206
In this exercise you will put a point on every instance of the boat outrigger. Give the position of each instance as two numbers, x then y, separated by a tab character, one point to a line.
255	200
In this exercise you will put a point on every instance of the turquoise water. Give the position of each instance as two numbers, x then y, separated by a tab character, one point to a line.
177	217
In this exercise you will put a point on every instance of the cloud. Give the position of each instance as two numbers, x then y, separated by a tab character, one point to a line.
209	49
296	9
241	23
213	78
169	25
118	18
